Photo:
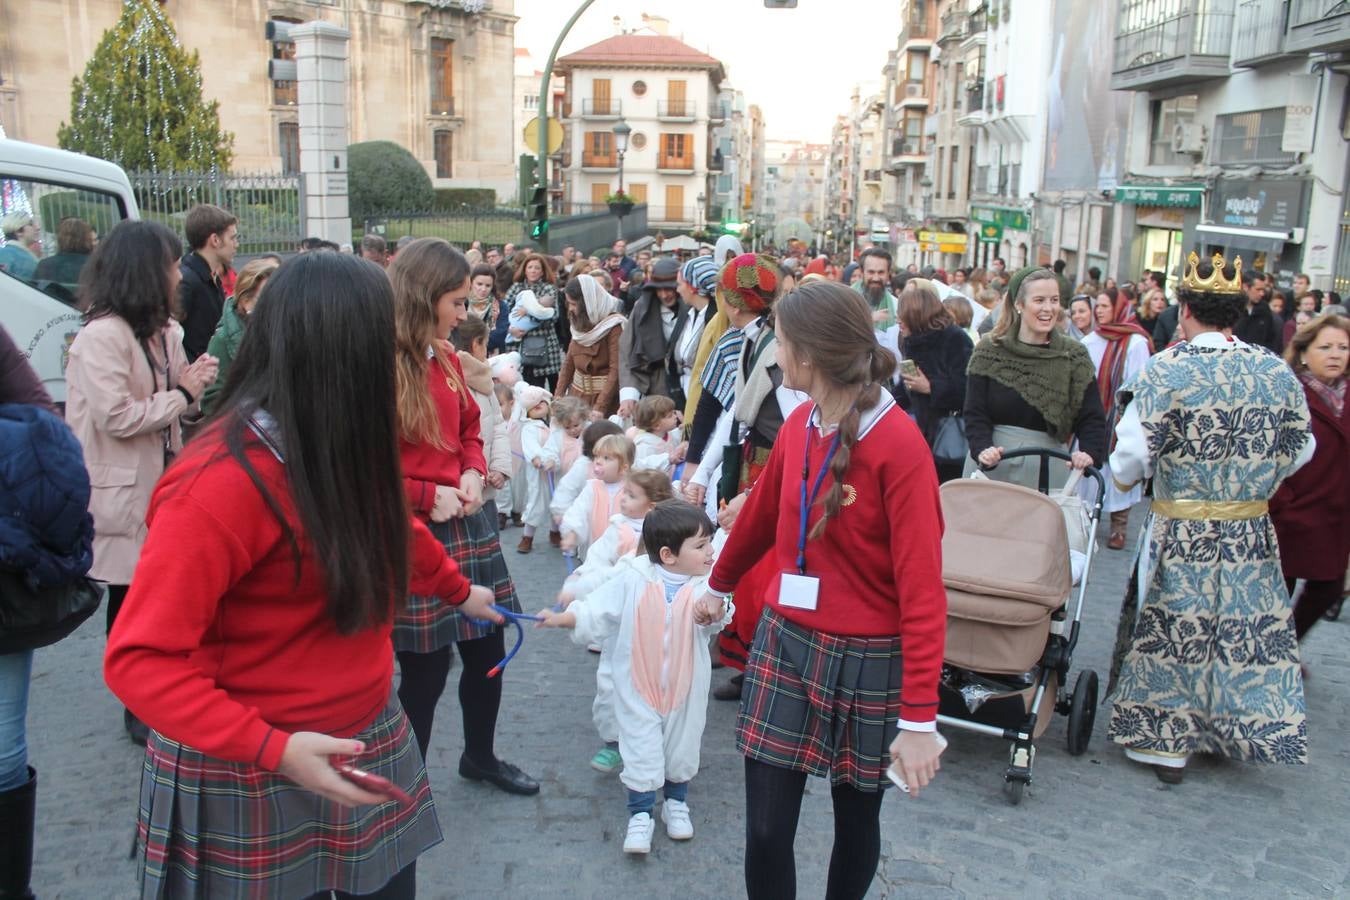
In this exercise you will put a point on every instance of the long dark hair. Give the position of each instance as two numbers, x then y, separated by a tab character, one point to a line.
318	357
128	276
830	324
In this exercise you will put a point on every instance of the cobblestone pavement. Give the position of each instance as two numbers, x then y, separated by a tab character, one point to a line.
1090	826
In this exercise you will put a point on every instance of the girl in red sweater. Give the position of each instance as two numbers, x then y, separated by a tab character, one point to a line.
254	641
443	468
850	640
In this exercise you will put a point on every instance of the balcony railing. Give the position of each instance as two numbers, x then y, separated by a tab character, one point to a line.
907	147
670	214
871	175
1258	31
1186	34
599	160
952	25
1318	26
675	164
676	109
715	161
975	98
601	108
718	112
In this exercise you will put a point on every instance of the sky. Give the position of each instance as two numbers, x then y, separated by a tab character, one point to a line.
799	65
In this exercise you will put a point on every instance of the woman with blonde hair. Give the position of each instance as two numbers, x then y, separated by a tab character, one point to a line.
224	344
444	472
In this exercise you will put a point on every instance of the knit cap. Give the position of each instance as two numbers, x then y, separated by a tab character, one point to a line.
701	274
749	282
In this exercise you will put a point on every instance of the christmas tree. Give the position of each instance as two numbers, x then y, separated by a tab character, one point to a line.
140	102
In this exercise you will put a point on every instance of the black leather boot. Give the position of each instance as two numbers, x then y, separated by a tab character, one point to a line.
17	808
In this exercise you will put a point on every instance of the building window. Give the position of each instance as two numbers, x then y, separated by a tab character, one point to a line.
599	191
940	170
1166	116
284	92
288	135
1251	137
599	149
675	98
954	181
600	98
531	101
442	146
442	77
677	152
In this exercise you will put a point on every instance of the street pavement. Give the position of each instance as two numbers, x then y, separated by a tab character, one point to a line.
1089	826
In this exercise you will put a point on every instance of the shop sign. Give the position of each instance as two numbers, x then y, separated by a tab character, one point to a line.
1159	195
1258	203
991	233
1011	219
942	241
1160	217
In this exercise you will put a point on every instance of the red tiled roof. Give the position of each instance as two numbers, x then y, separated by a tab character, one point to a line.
640	49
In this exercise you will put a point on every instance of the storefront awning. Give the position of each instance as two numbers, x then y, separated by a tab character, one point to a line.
1263	240
1160	194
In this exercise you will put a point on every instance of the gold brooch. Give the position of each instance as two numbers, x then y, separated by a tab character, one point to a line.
850	495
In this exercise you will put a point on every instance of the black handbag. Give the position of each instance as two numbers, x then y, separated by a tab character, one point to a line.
36	618
534	348
950	446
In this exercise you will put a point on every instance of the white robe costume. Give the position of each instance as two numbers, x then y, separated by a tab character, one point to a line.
657	746
595	504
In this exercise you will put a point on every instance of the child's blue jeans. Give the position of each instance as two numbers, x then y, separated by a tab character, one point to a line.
645	801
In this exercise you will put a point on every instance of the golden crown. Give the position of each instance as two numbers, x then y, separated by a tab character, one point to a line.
1215	283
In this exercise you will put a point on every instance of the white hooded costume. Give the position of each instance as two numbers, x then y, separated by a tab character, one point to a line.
662	668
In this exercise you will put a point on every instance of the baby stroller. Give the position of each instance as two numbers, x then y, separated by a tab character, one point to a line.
1010	559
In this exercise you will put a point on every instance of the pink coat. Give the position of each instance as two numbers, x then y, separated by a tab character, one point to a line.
121	411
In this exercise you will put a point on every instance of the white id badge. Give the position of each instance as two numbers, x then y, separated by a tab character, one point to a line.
799	591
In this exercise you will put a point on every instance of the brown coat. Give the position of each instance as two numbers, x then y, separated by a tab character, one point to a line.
600	360
120	412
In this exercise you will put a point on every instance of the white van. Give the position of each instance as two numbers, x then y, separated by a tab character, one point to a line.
71	199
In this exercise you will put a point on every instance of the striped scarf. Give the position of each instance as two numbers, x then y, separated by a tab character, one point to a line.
719	372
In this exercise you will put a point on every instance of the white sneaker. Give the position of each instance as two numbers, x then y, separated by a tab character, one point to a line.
595	647
675	813
639	839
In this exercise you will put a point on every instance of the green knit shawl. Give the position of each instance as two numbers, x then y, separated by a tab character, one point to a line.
1052	378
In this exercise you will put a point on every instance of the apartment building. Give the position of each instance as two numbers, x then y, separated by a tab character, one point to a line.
669	97
1239	134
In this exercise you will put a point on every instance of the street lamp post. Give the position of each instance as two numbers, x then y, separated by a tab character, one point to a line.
621	132
545	101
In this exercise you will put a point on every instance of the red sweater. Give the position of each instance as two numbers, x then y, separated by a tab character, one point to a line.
425	466
879	560
218	647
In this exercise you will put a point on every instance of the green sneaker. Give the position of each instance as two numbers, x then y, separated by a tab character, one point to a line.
607	760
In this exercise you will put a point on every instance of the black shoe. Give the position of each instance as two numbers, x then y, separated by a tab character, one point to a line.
729	691
1334	611
505	776
17	807
1170	774
136	729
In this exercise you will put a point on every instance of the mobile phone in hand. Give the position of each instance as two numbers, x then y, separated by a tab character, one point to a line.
376	784
893	770
909	367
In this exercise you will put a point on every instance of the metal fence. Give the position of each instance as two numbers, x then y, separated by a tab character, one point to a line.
268	206
461	226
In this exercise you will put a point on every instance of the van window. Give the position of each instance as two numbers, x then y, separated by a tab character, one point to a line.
48	231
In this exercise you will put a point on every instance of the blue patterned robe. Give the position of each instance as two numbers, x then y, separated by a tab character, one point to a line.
1207	661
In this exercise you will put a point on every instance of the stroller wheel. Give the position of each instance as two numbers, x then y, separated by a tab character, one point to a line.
1082	712
1013	788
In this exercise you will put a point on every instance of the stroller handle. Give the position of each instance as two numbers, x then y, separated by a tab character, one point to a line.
1046	454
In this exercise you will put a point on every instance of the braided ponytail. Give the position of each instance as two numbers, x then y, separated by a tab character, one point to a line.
831	326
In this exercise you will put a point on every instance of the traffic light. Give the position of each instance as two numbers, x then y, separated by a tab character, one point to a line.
529	167
539	216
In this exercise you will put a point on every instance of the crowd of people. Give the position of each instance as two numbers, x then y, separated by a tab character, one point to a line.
300	473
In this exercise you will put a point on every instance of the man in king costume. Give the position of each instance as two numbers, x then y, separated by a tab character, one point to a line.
1206	659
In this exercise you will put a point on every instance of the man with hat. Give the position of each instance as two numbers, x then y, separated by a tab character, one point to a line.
646	341
1206	657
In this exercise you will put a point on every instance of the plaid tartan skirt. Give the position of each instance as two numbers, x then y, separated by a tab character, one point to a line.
214	829
821	704
429	623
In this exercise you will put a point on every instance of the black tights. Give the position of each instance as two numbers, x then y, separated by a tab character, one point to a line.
773	803
480	697
117	593
1316	599
402	886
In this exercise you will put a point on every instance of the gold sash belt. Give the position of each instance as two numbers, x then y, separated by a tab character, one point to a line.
1211	510
589	384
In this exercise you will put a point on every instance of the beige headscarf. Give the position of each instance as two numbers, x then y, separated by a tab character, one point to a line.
601	308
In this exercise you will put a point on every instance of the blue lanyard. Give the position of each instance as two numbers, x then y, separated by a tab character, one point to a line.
810	501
